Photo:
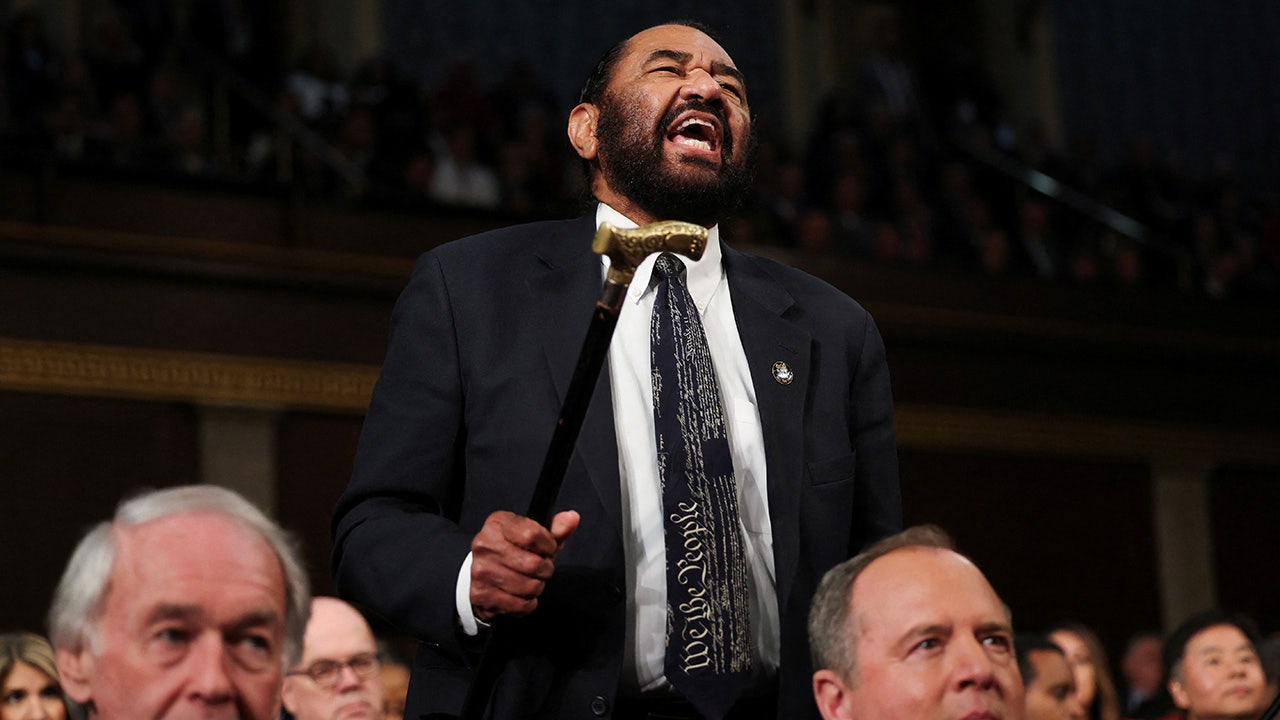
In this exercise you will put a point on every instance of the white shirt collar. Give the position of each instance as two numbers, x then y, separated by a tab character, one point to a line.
703	276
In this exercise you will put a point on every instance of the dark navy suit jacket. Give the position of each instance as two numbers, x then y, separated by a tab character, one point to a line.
484	340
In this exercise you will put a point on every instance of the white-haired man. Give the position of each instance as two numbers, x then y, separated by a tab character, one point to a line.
188	603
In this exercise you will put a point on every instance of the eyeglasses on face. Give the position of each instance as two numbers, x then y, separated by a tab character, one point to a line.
327	673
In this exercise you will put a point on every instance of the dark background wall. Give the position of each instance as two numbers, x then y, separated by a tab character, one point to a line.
1201	78
561	40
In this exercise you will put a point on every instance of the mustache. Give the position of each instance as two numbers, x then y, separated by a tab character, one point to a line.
700	105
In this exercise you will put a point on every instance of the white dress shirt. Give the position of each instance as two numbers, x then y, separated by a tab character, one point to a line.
642	533
643	530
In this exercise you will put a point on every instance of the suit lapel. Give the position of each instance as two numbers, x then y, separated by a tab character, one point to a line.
565	283
760	304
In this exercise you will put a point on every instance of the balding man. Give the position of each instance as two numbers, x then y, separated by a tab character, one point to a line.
337	676
780	463
911	629
188	603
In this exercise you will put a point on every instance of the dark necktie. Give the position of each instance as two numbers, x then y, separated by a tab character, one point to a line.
708	656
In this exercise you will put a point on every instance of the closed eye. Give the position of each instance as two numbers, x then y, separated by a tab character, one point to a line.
732	89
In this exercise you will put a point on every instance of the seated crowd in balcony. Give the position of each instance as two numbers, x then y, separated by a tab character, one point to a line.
878	179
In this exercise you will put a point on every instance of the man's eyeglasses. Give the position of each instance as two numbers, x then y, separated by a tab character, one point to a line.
327	673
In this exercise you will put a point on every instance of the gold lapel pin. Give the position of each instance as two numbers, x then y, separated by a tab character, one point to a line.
782	373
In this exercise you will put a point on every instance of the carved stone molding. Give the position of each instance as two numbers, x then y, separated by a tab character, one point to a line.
170	376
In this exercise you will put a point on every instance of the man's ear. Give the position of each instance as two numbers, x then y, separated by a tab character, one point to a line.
832	695
288	696
75	671
1179	693
582	130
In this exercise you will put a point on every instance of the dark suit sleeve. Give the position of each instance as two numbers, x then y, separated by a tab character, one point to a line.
878	500
397	544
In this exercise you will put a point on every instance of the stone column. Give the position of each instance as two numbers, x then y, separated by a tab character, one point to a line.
238	451
1184	537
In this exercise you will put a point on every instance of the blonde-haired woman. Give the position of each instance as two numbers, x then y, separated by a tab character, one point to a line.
1094	686
29	687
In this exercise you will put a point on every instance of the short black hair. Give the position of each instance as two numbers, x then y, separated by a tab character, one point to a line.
593	88
1175	646
1026	643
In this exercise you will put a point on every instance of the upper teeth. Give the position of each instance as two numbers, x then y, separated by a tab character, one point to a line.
694	121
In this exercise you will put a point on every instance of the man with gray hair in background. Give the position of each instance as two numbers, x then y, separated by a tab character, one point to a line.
188	603
910	629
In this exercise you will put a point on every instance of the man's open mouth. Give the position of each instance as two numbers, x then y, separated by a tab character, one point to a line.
699	132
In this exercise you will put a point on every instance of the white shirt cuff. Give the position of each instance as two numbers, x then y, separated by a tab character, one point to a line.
462	600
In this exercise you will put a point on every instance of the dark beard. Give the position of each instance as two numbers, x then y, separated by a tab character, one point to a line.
636	167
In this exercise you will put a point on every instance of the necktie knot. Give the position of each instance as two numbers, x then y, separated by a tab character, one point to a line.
668	267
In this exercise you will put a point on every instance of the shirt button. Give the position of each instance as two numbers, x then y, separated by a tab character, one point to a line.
599	706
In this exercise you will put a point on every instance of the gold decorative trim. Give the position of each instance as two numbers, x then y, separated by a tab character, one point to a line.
171	376
237	381
923	427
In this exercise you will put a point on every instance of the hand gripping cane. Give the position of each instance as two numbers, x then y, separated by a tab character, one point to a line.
625	249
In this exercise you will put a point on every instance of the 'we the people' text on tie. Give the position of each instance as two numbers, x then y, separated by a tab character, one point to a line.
708	658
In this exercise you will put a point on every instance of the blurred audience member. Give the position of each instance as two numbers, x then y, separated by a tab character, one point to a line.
1214	669
1094	686
915	220
460	101
788	202
1269	654
1143	669
322	95
29	688
1036	235
909	629
887	77
67	128
32	70
188	603
119	140
1129	266
395	683
813	231
459	177
1047	677
188	145
854	230
337	676
116	64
